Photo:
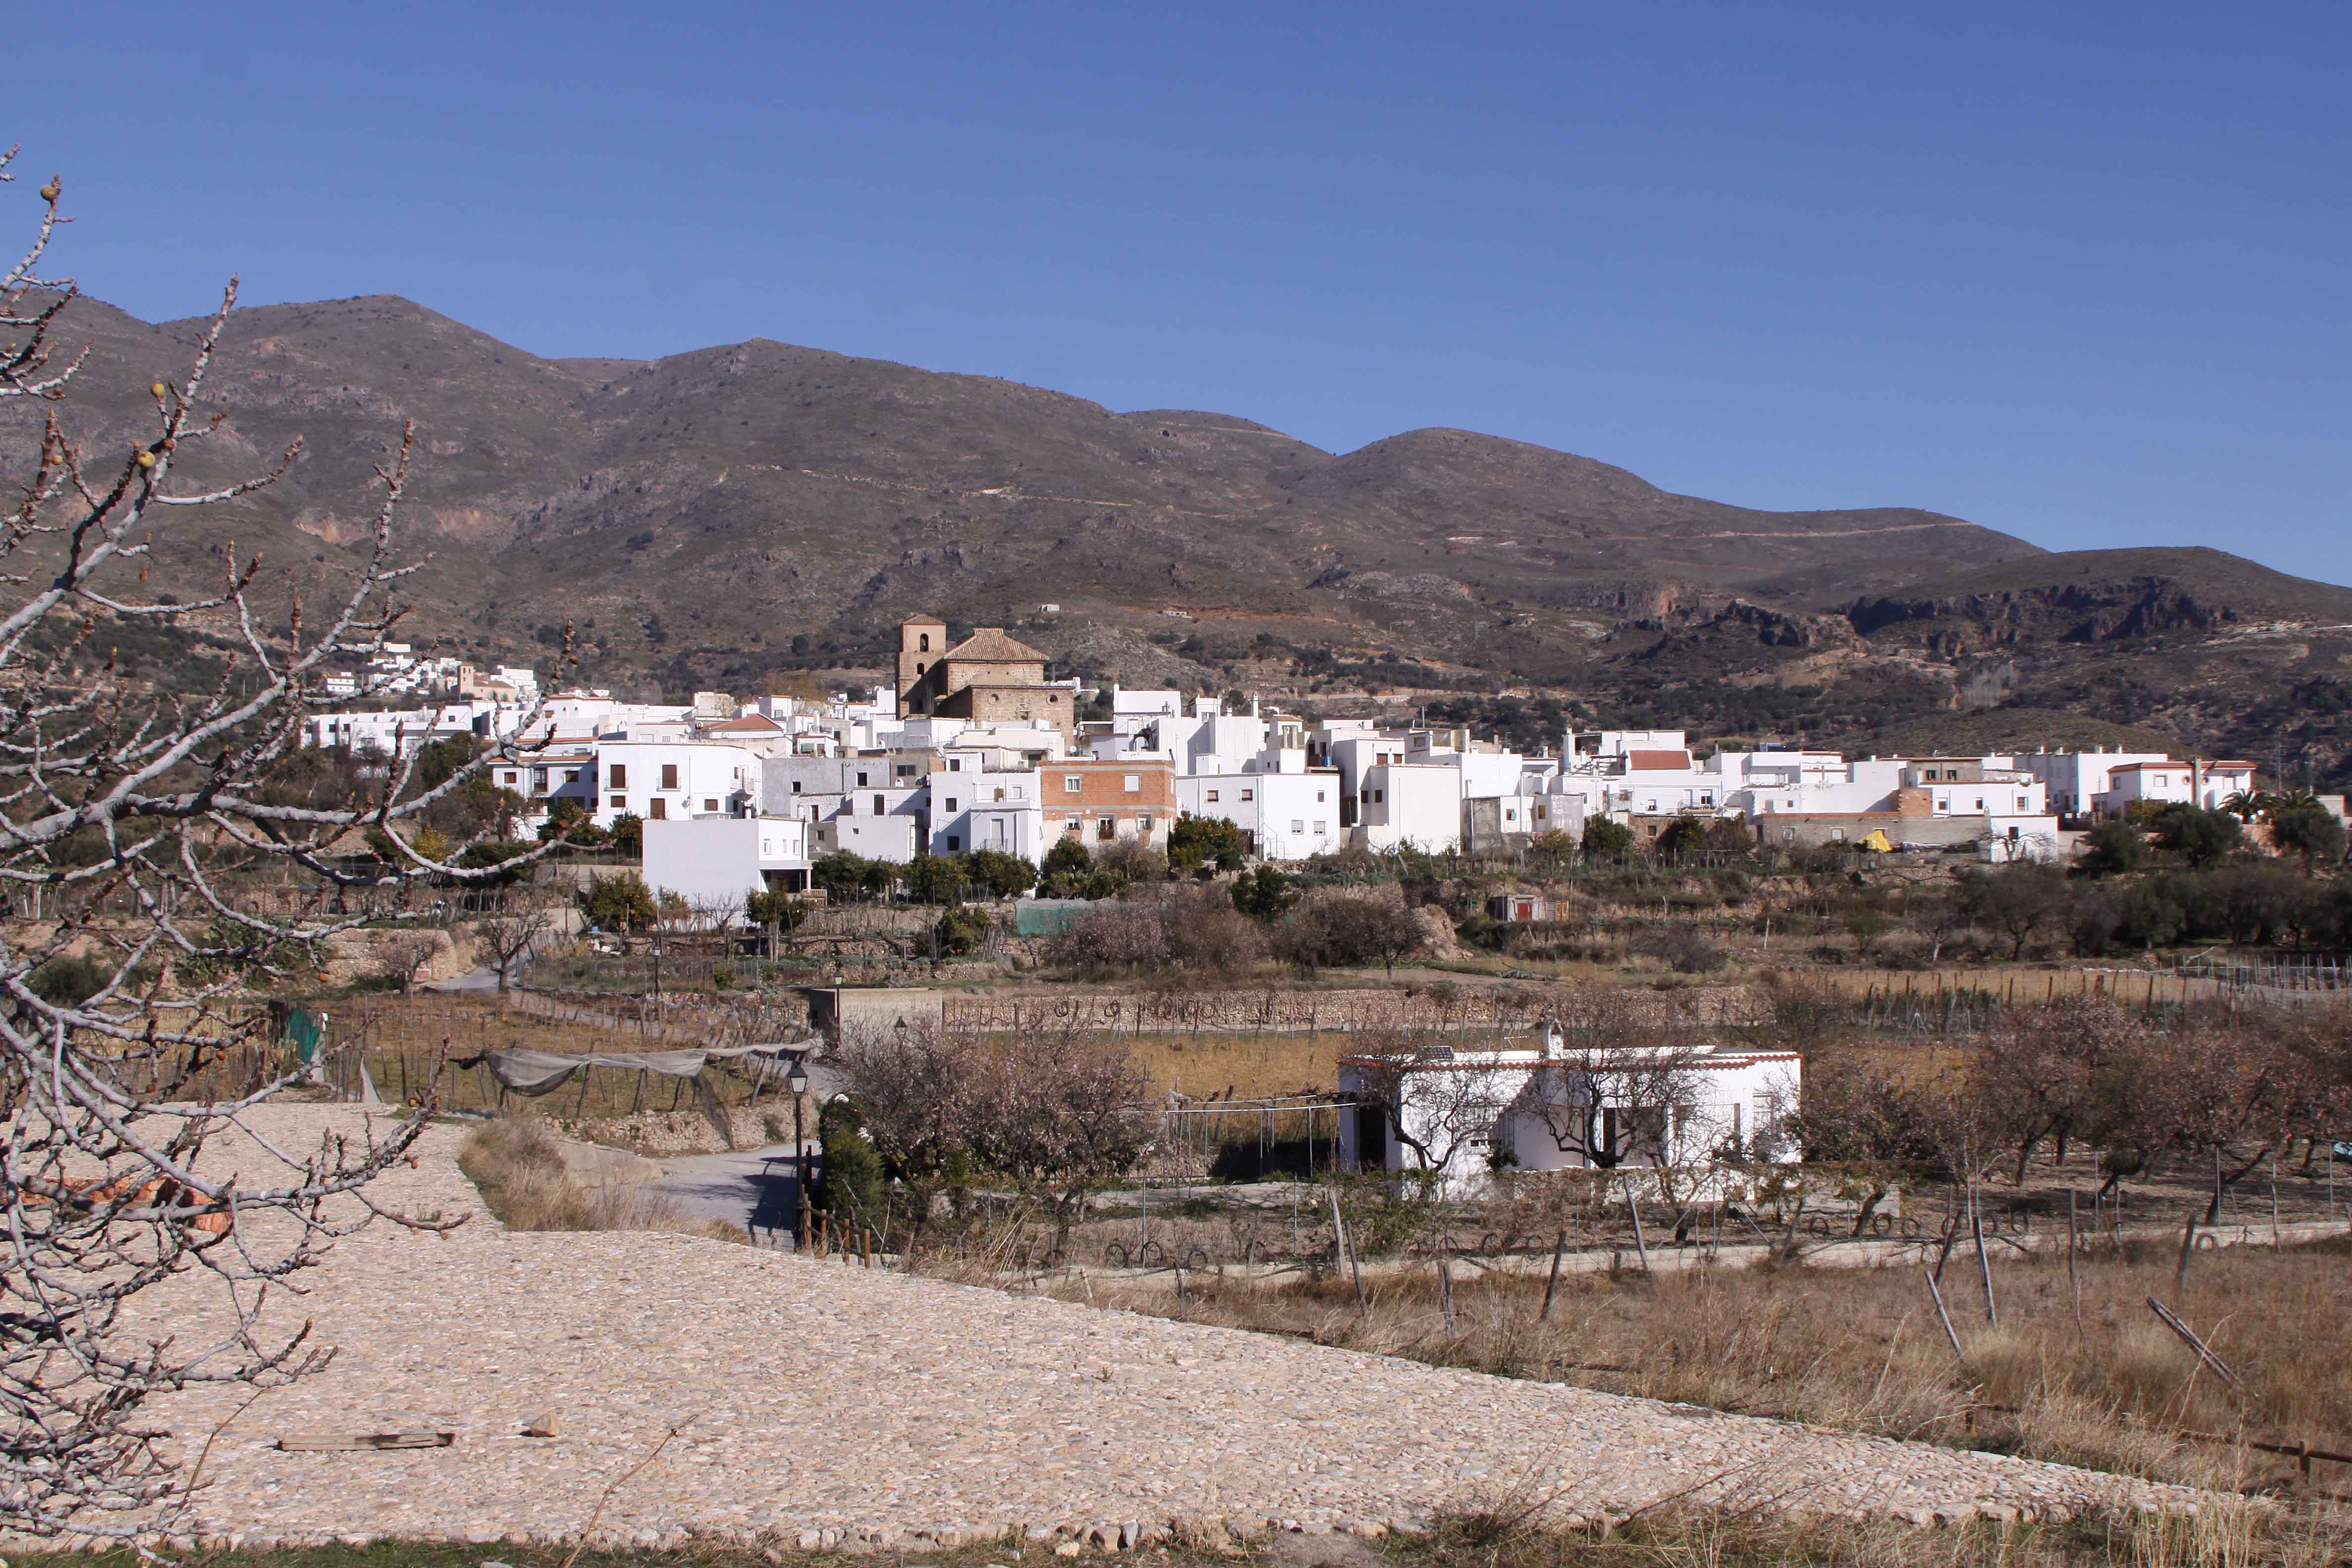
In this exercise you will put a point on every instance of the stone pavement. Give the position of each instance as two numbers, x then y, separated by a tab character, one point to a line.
823	1404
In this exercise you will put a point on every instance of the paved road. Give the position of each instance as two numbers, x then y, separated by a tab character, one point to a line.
754	1188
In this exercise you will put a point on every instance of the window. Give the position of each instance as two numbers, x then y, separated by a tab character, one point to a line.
923	643
952	805
506	778
955	764
670	775
1787	836
708	804
1979	803
1318	797
796	787
879	808
1322	829
1073	825
1132	783
572	775
1837	835
620	776
1071	783
658	810
861	778
1249	795
620	803
903	770
1297	825
920	667
1107	828
1211	796
954	843
1143	825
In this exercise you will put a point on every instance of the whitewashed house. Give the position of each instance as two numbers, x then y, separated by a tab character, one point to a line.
1463	1116
716	860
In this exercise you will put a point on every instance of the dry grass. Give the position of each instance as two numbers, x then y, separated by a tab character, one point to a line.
1863	1350
2232	1535
1246	1063
515	1163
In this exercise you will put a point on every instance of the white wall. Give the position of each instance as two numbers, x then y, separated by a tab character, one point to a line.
1416	805
721	858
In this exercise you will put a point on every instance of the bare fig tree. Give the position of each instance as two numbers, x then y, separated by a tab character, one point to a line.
506	938
178	846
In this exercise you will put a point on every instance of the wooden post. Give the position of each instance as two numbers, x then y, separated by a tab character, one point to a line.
1984	1258
2218	1367
2188	1244
1640	1245
1552	1284
2073	1276
1340	1230
1943	1317
1445	1290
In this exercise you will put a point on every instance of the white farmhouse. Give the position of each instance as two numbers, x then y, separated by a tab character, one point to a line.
1465	1115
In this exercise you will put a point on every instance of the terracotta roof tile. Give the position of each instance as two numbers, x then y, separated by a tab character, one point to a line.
991	642
1658	762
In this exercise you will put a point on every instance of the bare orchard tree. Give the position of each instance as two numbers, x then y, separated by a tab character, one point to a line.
1439	1108
179	846
1044	1107
1619	1082
408	955
508	936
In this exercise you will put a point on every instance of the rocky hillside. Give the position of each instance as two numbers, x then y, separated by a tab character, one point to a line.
740	514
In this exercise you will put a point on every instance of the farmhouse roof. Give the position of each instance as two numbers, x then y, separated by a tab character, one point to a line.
1658	762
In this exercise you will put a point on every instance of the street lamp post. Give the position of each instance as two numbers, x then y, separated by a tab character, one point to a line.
797	1080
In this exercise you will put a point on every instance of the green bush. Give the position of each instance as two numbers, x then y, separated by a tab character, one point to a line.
621	903
1000	875
849	1182
961	929
1195	841
1605	839
938	878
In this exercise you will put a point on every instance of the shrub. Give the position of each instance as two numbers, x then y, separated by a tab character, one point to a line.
1198	840
1068	857
961	930
621	903
1132	859
1605	839
1264	894
1683	835
2202	838
2114	848
1681	948
999	875
937	879
1116	936
1345	933
841	874
849	1181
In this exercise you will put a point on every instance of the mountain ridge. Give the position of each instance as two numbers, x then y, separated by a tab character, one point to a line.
736	512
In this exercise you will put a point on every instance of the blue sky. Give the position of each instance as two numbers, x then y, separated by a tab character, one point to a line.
2074	272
